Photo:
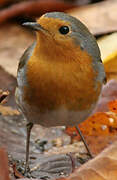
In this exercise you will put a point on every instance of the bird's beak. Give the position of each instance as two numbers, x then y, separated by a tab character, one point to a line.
34	26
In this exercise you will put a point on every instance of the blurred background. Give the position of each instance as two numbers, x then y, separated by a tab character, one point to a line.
100	16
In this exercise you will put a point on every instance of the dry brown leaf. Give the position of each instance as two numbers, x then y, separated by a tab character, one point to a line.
7	110
4	171
109	93
103	167
100	18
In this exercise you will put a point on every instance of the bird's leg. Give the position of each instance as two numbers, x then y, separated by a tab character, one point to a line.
83	139
29	127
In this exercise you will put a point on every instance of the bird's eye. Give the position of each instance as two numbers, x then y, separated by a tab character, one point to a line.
64	29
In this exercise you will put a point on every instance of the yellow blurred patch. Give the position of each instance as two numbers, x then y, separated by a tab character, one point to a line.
108	48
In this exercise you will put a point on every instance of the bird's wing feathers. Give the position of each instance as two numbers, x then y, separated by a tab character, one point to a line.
26	56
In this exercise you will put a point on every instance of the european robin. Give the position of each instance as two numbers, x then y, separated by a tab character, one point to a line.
60	76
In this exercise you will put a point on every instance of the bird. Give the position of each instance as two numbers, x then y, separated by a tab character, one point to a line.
60	76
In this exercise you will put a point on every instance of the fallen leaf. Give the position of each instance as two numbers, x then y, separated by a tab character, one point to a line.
99	130
109	93
4	170
113	106
102	167
100	18
104	124
108	48
7	110
108	45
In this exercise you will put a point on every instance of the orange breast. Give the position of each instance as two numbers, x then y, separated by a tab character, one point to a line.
68	82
